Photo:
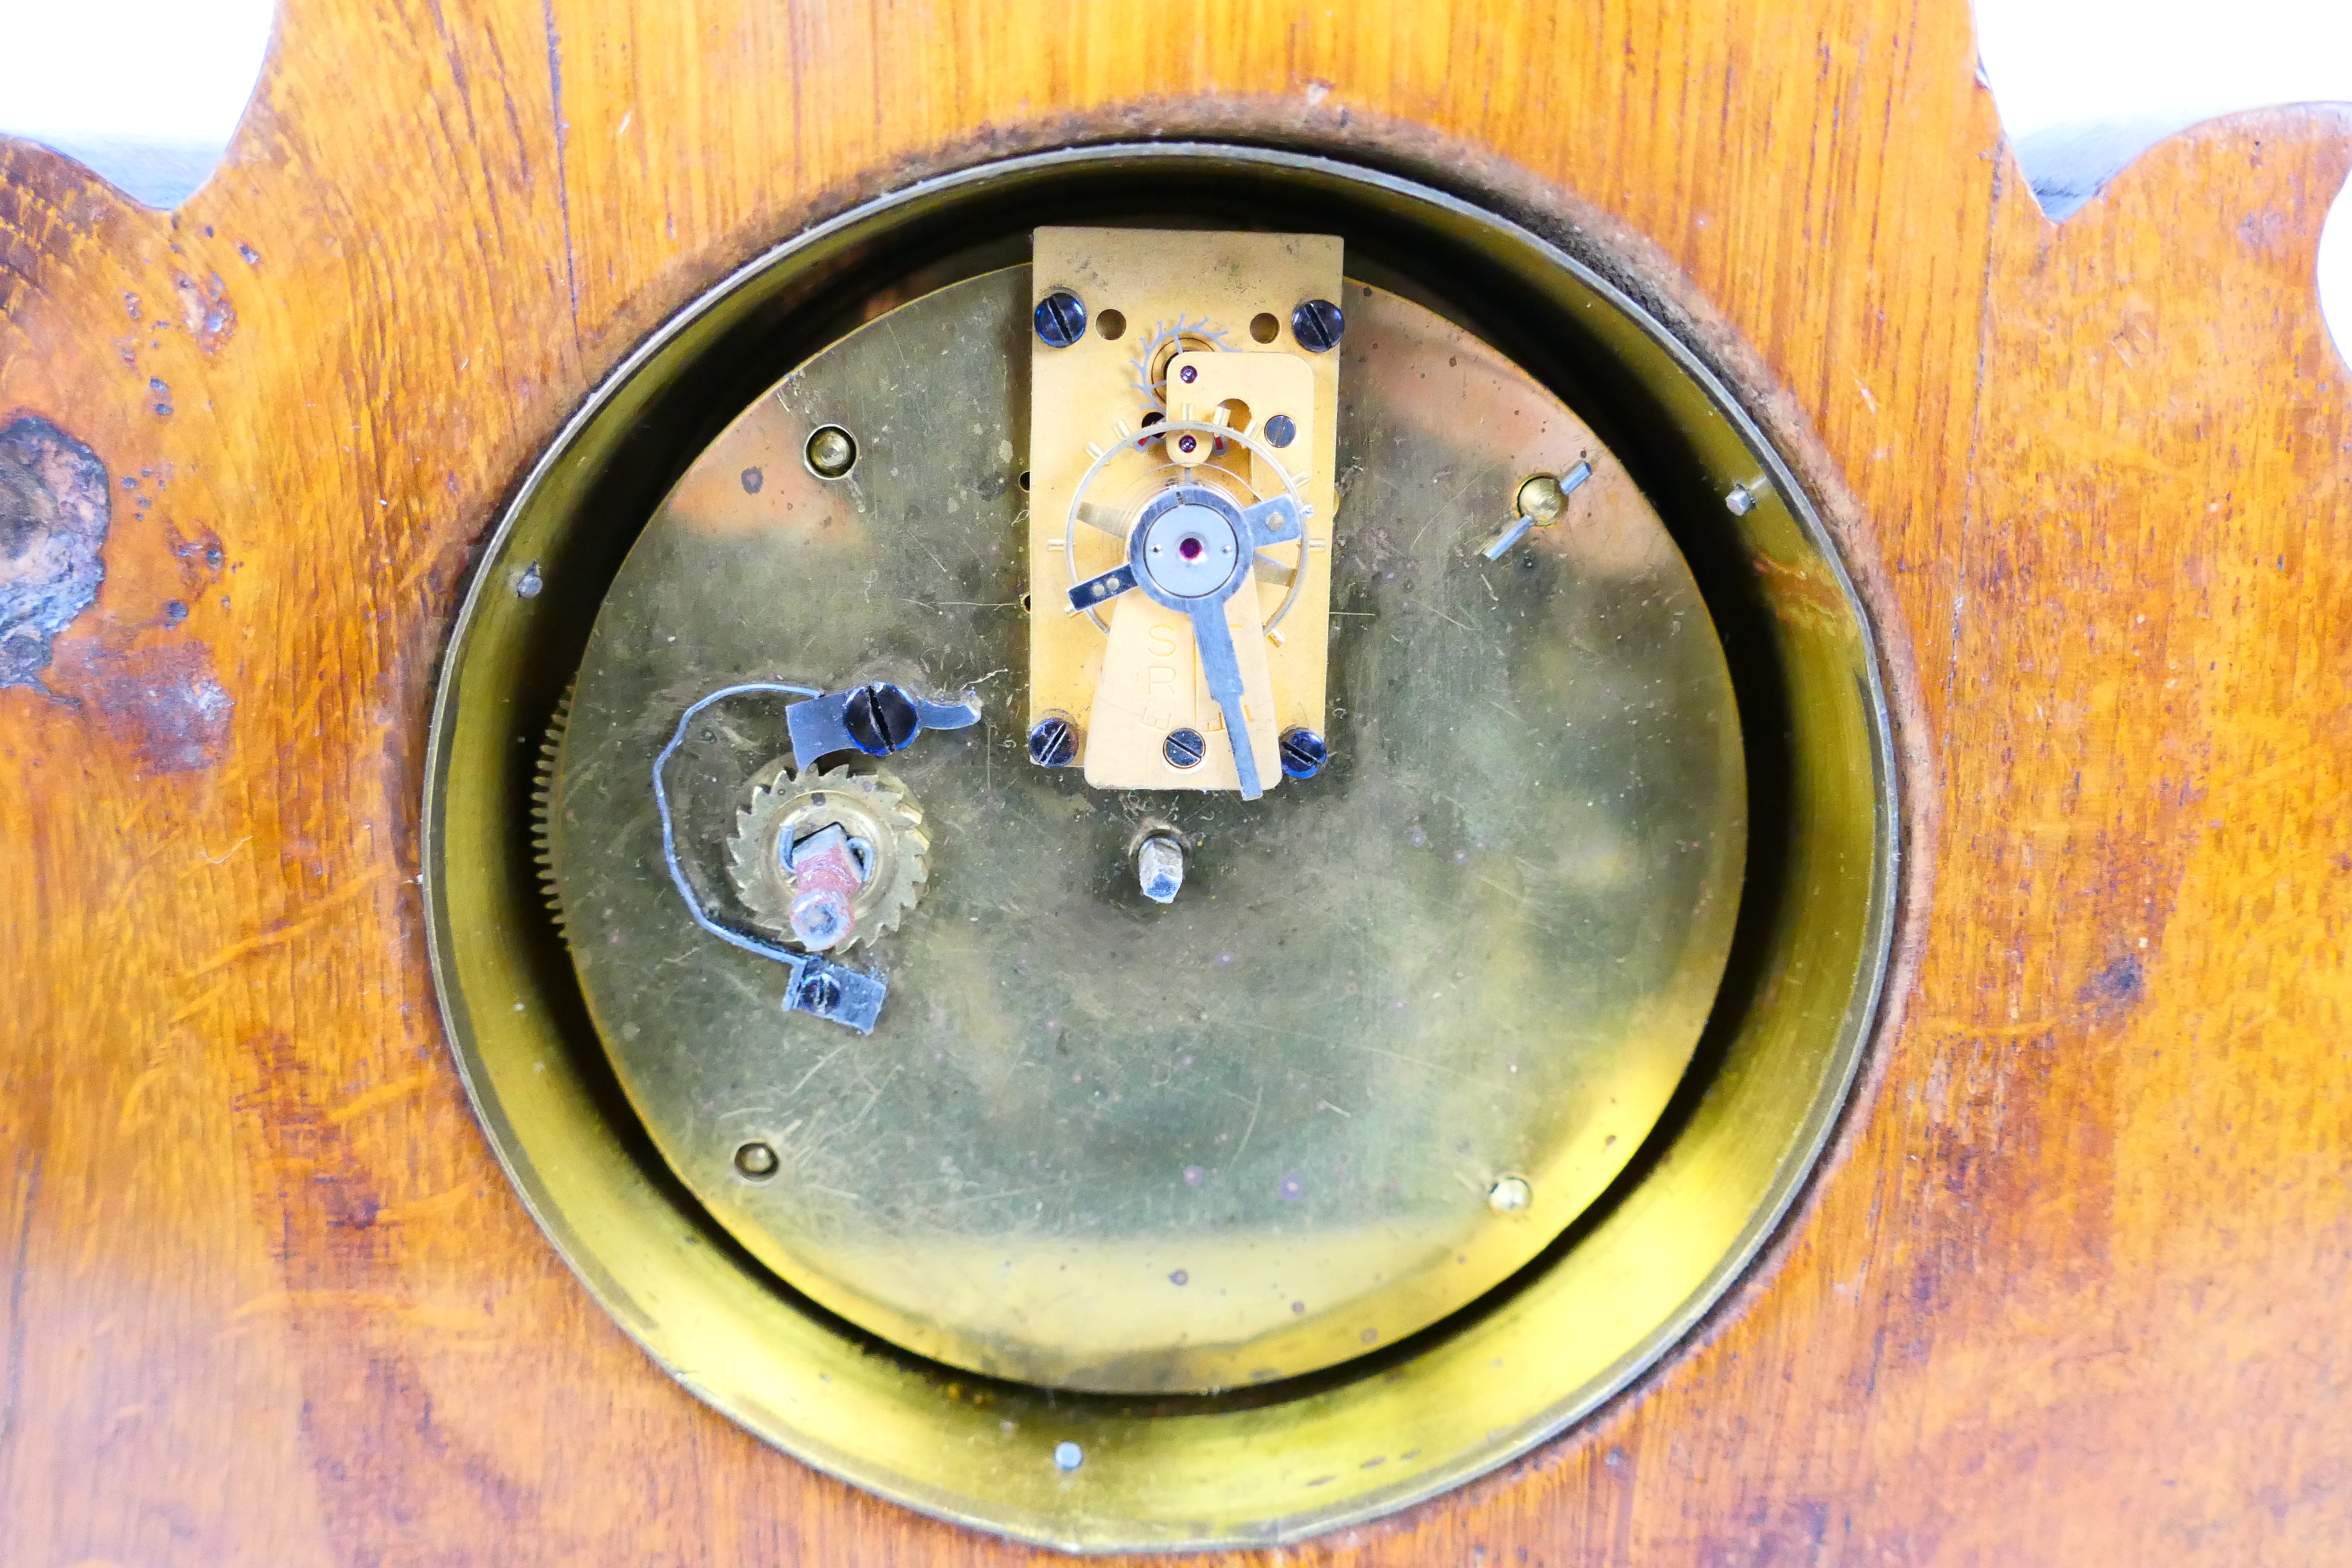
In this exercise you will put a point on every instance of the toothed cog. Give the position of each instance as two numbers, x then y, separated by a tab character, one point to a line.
545	806
1150	361
783	852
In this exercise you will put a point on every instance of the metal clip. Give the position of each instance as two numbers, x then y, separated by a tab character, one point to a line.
834	992
874	719
1527	522
819	987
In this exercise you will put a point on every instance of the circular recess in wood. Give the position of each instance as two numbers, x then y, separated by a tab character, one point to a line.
668	1233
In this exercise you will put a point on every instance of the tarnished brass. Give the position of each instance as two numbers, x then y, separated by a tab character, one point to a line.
870	804
1270	1463
1094	1144
1542	499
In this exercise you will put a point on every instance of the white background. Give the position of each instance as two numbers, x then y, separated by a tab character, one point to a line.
148	92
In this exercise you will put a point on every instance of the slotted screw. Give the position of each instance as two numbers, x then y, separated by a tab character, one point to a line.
880	718
1061	318
1317	324
820	993
1303	752
1054	743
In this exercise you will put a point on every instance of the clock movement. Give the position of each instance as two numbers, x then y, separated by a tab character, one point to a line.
1159	832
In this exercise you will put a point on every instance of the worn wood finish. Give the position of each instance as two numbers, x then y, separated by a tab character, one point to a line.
2070	1287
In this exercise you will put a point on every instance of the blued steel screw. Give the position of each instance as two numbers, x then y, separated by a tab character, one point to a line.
1054	743
1303	752
880	718
1061	318
820	993
1184	748
1281	430
1317	324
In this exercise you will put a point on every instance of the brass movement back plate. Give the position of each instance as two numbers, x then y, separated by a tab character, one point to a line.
1098	1143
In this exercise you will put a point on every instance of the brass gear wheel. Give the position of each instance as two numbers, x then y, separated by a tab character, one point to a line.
876	811
1150	361
546	804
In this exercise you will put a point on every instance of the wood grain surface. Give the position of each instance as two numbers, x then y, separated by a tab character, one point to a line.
2071	1286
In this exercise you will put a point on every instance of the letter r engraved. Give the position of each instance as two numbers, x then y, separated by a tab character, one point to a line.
1159	694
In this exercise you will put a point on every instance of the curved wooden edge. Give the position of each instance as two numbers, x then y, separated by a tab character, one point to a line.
2087	1203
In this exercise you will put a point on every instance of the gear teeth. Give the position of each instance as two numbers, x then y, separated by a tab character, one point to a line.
744	848
542	806
878	802
1154	395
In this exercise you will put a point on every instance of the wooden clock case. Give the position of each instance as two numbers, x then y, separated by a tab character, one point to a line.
2068	1285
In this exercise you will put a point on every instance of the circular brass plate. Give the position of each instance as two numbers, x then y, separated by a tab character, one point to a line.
1283	1461
1098	1144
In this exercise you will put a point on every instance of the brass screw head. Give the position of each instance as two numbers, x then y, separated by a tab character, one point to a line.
831	453
1542	499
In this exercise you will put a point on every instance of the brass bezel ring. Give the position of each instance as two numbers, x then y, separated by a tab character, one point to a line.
1286	1461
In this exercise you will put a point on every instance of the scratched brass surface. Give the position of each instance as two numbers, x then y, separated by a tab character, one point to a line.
1098	1143
1263	1465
